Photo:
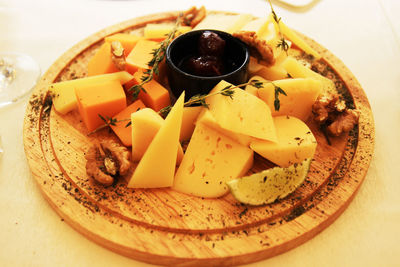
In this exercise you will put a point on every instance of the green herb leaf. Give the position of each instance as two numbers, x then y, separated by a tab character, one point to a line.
102	118
108	121
282	42
256	83
278	91
228	93
136	90
165	111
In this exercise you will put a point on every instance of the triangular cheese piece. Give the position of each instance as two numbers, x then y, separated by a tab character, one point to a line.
242	113
157	166
295	142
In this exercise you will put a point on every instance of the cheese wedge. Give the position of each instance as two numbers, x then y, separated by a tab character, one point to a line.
298	70
121	127
140	55
295	142
157	166
242	113
270	33
189	118
224	22
207	119
102	62
301	94
128	41
254	25
297	40
160	31
210	161
274	72
145	124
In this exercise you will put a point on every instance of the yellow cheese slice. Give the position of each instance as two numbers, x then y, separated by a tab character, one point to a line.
223	22
254	25
298	70
242	113
157	166
145	125
301	94
63	93
270	32
295	142
274	72
188	121
242	20
211	160
207	118
298	41
161	30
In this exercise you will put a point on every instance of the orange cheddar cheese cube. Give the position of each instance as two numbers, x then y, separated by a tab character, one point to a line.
64	98
103	99
121	129
156	95
140	55
128	41
101	62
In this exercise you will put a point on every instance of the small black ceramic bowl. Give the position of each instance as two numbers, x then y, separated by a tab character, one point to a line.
235	59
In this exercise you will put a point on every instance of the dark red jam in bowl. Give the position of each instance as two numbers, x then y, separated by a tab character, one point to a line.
198	60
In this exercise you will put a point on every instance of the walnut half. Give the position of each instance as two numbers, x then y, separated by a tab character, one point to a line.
331	112
193	16
117	55
106	161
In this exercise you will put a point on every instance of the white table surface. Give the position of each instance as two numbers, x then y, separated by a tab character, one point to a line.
365	35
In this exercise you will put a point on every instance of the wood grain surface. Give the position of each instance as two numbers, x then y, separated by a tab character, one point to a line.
161	226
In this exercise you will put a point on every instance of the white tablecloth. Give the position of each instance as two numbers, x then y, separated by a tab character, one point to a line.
365	35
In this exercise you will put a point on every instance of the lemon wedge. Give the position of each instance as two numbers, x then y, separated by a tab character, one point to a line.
267	186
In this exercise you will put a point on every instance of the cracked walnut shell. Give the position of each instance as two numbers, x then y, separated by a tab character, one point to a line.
106	161
331	112
193	16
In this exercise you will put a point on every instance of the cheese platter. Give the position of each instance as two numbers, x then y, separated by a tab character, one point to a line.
174	225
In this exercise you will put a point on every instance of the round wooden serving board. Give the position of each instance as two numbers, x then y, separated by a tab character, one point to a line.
165	227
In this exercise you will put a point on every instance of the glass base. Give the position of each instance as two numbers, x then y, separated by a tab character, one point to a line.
19	74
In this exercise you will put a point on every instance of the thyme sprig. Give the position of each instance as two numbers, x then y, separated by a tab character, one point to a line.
158	56
278	91
108	122
282	42
200	99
